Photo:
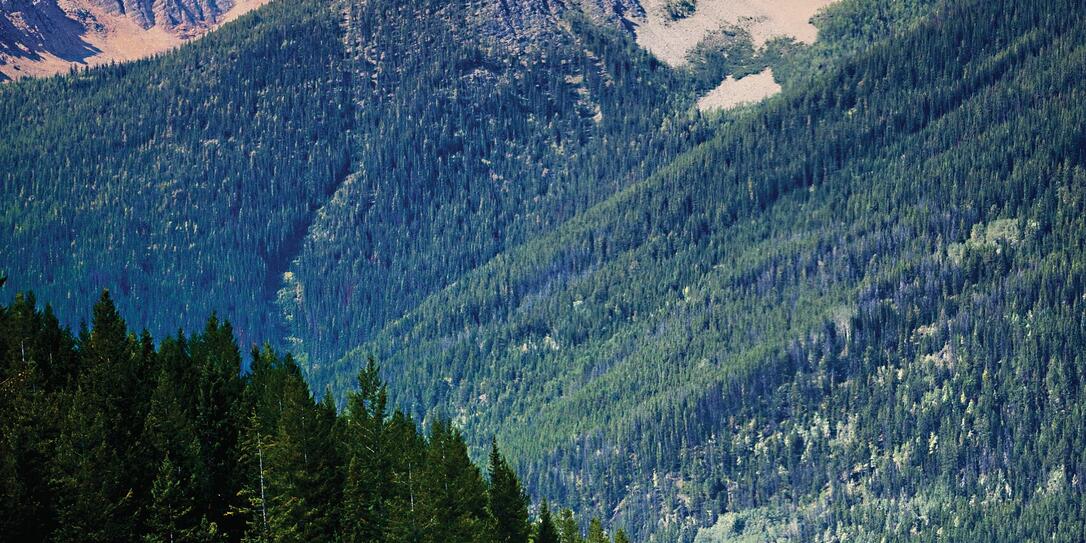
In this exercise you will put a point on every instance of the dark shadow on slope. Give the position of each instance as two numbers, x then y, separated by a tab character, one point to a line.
28	29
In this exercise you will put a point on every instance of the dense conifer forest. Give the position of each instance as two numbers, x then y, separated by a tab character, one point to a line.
111	436
852	312
135	177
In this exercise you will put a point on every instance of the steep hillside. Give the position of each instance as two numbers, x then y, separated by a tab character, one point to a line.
512	122
492	137
181	183
358	172
324	167
45	37
853	312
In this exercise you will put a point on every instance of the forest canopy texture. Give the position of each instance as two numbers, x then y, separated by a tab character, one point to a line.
110	438
855	311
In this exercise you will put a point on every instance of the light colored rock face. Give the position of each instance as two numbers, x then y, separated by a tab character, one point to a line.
733	92
45	37
671	40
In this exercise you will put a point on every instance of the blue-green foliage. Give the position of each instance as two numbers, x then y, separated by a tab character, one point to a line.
142	178
844	306
853	312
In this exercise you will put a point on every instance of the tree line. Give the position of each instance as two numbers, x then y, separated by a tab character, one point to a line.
109	436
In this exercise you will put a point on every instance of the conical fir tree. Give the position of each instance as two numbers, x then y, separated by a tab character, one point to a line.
568	530
369	477
175	458
455	503
508	503
596	533
546	531
170	507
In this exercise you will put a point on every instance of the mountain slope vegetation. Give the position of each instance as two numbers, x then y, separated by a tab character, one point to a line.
207	215
470	149
830	314
108	437
138	177
851	312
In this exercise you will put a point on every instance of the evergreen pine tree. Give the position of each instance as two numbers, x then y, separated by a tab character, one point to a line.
303	482
92	501
546	531
596	534
368	468
171	505
508	503
174	450
216	390
568	530
407	518
251	507
455	492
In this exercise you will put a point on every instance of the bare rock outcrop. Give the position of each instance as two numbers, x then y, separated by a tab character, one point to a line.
44	37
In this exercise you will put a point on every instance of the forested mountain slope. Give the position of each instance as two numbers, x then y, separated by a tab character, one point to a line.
199	177
853	311
106	437
488	139
142	178
856	311
318	138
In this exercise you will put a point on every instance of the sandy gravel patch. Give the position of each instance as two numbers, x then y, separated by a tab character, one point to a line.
733	92
671	40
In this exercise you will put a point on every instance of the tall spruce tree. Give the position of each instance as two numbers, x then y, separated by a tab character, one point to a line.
93	502
174	458
508	502
546	531
568	529
216	390
171	507
303	483
596	533
36	358
456	494
97	485
250	511
369	476
407	519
